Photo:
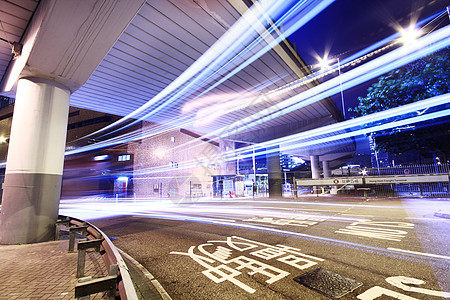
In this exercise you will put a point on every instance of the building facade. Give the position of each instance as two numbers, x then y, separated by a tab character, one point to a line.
178	164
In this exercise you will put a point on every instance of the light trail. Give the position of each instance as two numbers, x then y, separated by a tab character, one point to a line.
361	121
397	58
330	129
357	58
388	62
431	116
84	211
302	139
217	55
305	11
353	58
302	18
385	63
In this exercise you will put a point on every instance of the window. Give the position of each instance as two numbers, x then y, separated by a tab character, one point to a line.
173	164
172	139
125	157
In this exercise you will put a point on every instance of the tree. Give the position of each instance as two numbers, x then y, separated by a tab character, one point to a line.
422	79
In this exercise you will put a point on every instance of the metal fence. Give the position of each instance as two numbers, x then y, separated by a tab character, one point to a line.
424	189
418	169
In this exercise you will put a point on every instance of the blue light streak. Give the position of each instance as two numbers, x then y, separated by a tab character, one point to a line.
313	137
388	62
178	213
426	45
219	54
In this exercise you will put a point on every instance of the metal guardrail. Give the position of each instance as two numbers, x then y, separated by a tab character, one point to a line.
110	255
416	185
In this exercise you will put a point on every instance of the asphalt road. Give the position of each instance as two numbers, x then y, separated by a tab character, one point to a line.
317	248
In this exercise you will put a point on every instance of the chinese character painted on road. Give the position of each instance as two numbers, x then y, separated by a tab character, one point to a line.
224	260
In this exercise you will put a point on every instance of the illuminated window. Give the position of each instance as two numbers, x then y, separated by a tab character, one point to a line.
125	157
173	164
101	157
172	139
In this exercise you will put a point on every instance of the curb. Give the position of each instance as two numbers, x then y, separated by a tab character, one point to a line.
148	275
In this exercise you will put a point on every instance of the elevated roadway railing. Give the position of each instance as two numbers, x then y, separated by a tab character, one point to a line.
394	185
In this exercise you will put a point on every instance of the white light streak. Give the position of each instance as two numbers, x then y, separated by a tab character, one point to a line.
396	58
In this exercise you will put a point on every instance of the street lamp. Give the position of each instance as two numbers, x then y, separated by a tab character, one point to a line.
342	92
409	35
239	156
324	64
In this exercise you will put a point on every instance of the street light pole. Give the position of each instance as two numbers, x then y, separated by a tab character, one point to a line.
237	163
342	92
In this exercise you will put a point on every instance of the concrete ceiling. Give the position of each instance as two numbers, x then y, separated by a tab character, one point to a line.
14	17
162	40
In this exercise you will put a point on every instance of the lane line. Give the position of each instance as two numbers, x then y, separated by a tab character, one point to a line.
420	253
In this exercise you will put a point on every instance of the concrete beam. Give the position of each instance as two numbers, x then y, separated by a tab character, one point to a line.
66	40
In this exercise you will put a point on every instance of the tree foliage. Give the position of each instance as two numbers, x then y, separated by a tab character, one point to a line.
422	79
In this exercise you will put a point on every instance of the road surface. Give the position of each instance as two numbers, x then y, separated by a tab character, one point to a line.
316	248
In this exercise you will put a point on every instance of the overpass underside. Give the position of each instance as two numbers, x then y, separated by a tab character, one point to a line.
179	64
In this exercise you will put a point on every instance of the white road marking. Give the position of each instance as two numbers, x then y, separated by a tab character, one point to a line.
378	291
402	281
366	229
148	275
232	267
420	253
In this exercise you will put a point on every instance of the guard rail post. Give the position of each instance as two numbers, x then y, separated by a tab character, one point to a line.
65	222
119	276
82	247
72	231
107	283
113	271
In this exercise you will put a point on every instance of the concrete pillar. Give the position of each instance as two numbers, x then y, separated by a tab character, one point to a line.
326	169
315	169
274	170
35	161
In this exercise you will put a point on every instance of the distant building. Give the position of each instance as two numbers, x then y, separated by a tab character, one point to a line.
178	164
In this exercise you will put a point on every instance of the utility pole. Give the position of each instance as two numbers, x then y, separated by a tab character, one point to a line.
340	84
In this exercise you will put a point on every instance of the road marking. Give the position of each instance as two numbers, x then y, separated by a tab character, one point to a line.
222	264
297	221
408	218
420	253
378	291
375	232
402	281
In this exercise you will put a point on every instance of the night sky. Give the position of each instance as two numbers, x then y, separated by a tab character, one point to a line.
348	26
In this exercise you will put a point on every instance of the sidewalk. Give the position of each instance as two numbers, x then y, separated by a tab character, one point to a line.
43	271
47	271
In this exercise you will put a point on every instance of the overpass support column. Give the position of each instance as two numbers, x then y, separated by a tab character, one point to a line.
34	168
315	169
274	170
326	169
